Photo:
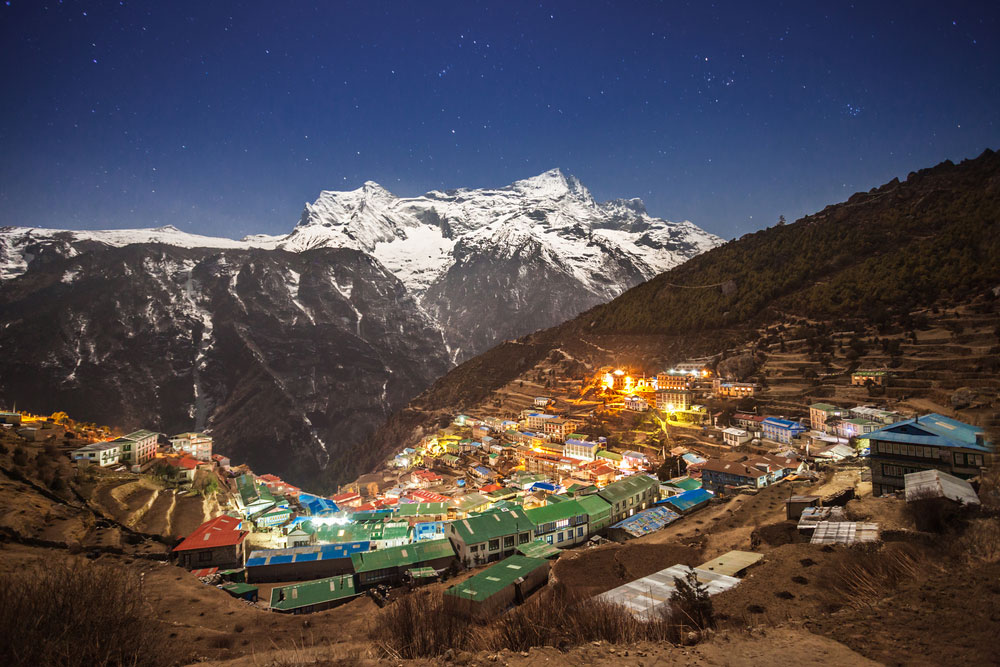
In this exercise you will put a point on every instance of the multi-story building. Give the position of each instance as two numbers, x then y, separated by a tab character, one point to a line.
563	524
630	495
820	413
931	442
138	447
636	404
581	449
717	474
669	400
102	454
494	535
197	445
734	437
781	430
673	380
216	543
733	389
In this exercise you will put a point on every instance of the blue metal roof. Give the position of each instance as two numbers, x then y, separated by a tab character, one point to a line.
305	554
934	430
689	499
783	423
544	486
484	471
278	560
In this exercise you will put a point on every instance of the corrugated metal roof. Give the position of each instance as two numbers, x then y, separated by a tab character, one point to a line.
932	429
400	556
494	579
649	598
688	500
937	484
731	563
844	532
308	593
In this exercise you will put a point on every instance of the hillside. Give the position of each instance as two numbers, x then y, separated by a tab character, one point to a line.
876	260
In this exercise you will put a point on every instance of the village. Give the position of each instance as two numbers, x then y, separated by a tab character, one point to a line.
481	508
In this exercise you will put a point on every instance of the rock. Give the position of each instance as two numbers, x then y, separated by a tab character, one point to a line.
965	397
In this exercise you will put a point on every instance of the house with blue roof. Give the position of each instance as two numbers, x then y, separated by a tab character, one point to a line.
317	505
782	430
930	442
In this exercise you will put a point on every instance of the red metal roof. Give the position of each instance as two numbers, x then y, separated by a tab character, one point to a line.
222	531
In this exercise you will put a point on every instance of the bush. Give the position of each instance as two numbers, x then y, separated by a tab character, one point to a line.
691	603
20	456
77	614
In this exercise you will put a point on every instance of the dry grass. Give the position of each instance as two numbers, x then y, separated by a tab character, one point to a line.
419	625
77	613
861	575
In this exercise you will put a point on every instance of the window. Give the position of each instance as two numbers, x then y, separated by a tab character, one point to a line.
205	556
508	541
579	531
559	537
474	548
494	545
523	538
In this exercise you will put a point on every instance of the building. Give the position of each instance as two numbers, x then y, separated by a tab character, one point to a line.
931	484
13	418
197	445
634	460
716	475
492	536
931	442
733	389
216	543
581	449
305	562
874	414
636	404
563	524
389	565
310	596
542	401
734	437
781	430
879	378
630	495
749	422
102	454
673	380
669	400
820	413
851	428
498	587
598	512
689	501
648	598
137	447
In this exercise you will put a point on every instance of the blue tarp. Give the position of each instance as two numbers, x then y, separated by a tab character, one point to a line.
647	521
689	500
544	486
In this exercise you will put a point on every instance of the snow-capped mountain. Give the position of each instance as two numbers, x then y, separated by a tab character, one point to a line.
461	269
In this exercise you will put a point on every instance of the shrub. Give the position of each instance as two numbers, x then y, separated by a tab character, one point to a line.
691	602
76	613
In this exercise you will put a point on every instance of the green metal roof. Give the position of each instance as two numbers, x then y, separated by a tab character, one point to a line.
610	456
421	509
238	588
556	512
626	488
313	592
685	483
401	556
595	506
826	407
422	572
539	549
494	579
491	525
471	501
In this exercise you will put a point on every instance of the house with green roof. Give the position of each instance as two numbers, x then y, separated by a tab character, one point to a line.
614	457
389	565
490	536
472	502
427	511
310	596
630	495
562	524
598	512
498	587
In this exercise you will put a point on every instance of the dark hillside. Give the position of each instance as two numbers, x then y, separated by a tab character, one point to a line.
932	239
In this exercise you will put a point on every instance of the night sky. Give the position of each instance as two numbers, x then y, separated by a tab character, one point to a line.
225	121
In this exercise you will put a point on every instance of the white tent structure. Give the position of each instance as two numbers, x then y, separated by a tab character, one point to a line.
649	598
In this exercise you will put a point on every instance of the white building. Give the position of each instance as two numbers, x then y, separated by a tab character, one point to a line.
103	454
636	404
196	445
581	449
734	437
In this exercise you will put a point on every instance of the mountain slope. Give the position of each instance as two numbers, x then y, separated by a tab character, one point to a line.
873	258
292	349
